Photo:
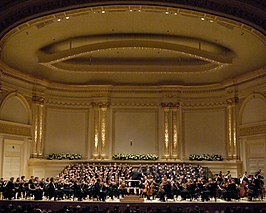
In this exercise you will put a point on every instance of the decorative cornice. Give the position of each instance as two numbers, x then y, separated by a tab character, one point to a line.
18	12
171	91
128	104
204	104
252	130
67	103
101	104
38	99
15	129
170	104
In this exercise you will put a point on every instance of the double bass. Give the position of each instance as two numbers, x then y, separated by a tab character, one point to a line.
243	189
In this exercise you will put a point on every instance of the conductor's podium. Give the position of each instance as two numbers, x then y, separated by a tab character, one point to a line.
132	199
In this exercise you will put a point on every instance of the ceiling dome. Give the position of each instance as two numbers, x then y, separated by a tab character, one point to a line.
133	44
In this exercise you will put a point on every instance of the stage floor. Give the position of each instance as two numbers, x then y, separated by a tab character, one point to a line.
211	206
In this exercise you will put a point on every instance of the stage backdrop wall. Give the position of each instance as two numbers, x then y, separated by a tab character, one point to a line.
66	131
204	132
135	131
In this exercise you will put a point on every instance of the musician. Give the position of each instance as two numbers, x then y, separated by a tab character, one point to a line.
17	188
38	191
165	189
259	183
51	188
212	189
2	187
77	191
10	189
251	190
243	185
59	193
231	191
177	188
151	190
122	188
113	192
23	186
103	188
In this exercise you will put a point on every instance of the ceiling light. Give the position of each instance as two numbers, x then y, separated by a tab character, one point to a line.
139	10
166	12
211	21
175	14
202	19
59	19
67	17
103	11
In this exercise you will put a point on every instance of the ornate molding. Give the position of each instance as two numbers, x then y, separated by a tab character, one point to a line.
67	103
252	130
170	104
204	104
128	104
15	129
101	104
19	11
38	99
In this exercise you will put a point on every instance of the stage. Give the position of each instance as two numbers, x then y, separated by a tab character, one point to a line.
210	206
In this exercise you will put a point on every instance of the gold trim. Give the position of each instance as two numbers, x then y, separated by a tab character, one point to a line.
252	130
15	129
122	8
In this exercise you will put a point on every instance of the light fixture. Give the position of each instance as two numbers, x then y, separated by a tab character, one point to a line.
166	12
175	14
211	21
67	17
59	19
103	11
202	19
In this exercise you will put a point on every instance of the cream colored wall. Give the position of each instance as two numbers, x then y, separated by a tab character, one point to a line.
204	131
13	109
255	153
138	126
253	138
66	130
15	156
254	111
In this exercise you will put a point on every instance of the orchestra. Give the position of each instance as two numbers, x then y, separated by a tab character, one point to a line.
99	182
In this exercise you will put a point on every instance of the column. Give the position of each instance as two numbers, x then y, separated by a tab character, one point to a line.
104	142
38	125
232	144
95	145
175	132
100	143
166	145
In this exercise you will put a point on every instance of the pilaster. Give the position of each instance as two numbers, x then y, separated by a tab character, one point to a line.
38	110
232	133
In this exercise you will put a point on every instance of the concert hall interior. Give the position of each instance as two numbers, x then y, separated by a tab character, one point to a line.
155	82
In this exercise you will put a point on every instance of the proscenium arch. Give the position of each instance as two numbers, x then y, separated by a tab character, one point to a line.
20	98
246	101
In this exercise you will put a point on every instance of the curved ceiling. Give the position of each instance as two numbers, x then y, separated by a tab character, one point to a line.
134	45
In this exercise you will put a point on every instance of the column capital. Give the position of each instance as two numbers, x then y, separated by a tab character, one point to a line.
233	100
174	105
102	105
38	99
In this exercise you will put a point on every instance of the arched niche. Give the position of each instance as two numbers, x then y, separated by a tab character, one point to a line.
253	109
15	108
